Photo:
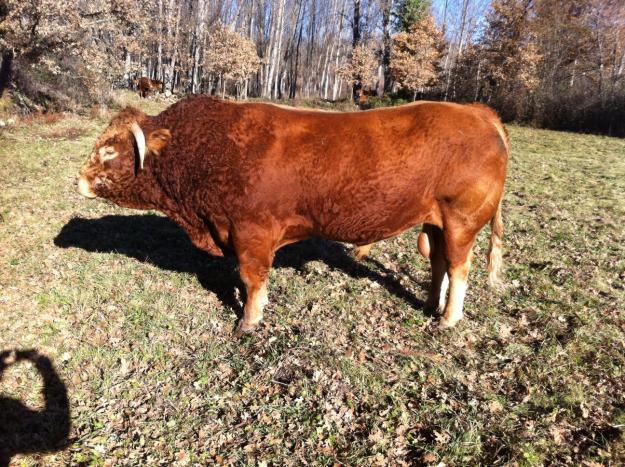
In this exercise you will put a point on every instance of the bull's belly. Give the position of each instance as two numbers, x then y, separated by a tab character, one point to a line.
369	226
371	207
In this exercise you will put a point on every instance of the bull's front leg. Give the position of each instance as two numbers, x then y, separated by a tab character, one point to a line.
255	261
458	245
458	274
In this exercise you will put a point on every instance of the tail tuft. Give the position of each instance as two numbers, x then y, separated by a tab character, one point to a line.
495	260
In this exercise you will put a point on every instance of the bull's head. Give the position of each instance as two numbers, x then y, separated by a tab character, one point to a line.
114	169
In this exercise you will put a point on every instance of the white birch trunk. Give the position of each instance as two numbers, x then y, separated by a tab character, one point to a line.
324	74
174	55
278	55
127	66
273	39
199	36
159	52
337	80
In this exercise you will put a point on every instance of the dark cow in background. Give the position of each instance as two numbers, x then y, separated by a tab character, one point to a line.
247	179
145	85
363	98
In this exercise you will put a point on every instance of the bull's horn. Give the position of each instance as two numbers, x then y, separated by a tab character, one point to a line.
140	138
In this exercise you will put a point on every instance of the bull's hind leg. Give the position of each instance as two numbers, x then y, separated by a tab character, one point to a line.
255	257
433	246
458	246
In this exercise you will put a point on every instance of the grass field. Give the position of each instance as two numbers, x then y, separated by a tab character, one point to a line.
347	369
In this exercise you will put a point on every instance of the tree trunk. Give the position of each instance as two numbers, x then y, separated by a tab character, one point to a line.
452	65
6	70
275	38
174	54
127	64
278	56
356	24
337	80
197	39
477	81
324	74
159	52
293	84
387	7
444	28
355	41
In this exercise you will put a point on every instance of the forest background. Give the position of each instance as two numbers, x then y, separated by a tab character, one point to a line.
556	64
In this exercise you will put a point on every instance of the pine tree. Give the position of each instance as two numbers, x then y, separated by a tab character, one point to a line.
410	12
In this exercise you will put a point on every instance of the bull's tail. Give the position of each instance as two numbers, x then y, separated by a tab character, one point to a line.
495	260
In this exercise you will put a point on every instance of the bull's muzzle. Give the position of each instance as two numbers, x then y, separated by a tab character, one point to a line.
84	188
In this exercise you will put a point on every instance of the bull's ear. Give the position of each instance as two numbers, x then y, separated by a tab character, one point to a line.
157	140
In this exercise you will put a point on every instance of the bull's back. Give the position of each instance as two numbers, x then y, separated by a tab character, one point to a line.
361	177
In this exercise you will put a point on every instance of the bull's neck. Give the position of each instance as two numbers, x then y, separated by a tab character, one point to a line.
146	193
172	203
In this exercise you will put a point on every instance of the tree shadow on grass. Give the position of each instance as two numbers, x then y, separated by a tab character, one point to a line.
27	431
159	241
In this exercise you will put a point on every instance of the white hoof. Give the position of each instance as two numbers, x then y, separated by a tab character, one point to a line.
447	323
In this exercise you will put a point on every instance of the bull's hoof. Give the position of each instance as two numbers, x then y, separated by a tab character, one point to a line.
433	309
244	329
361	252
498	286
447	323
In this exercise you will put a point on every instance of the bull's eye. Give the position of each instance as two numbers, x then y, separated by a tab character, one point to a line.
107	153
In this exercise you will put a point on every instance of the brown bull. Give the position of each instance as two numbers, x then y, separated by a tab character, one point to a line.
145	85
248	179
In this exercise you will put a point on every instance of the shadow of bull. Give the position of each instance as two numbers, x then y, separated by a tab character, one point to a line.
159	241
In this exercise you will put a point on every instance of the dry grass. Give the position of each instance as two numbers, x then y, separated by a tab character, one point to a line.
153	104
347	368
66	133
47	118
8	109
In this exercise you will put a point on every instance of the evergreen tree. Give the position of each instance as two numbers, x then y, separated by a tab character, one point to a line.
410	12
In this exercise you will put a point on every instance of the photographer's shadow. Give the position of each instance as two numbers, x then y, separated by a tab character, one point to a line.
159	241
27	431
